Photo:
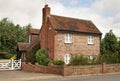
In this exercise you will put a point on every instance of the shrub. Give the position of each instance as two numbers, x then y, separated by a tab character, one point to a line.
30	54
58	62
8	56
42	57
108	59
79	60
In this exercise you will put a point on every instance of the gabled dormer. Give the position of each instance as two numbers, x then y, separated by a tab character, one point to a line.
33	35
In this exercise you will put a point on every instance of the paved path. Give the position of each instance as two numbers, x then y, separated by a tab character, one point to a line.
115	77
29	76
24	76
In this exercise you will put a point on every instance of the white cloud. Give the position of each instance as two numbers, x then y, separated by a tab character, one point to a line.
111	10
22	11
103	6
30	11
74	2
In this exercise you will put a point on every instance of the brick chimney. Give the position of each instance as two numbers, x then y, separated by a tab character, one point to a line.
46	13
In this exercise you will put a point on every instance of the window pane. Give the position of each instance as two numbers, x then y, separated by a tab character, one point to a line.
67	58
90	40
68	38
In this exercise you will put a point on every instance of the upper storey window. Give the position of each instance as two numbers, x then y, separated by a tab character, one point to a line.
68	38
90	40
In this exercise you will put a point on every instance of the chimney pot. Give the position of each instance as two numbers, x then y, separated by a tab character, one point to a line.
46	5
46	13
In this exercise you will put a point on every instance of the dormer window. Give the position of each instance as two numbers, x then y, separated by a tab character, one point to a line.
68	38
90	40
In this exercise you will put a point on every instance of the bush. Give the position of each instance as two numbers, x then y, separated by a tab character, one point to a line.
8	56
30	55
42	57
58	62
108	59
79	60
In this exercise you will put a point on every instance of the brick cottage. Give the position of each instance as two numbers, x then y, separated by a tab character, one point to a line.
62	37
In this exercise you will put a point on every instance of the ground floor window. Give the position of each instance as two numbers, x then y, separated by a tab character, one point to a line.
90	58
67	58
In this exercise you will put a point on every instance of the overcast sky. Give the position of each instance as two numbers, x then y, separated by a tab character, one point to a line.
105	14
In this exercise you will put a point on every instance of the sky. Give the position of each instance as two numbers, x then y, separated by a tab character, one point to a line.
105	14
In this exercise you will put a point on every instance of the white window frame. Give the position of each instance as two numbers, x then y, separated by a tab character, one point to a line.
90	58
90	39
68	38
29	38
67	58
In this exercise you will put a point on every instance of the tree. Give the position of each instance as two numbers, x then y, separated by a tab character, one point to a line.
10	34
118	47
109	43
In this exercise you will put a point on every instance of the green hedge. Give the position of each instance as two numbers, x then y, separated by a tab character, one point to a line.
79	60
42	58
108	59
58	62
112	58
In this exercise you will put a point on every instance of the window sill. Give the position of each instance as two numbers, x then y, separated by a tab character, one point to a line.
68	42
90	43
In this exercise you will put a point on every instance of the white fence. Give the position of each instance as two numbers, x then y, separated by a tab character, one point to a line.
10	64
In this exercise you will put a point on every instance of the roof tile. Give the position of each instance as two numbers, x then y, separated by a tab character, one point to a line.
22	46
72	24
34	31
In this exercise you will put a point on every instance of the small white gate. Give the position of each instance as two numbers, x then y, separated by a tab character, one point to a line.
10	64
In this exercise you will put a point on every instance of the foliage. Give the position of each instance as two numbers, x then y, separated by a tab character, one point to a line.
8	56
30	55
110	49
108	59
79	60
42	57
112	58
14	57
118	49
58	62
109	43
10	34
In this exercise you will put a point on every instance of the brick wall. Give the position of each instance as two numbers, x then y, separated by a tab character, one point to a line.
42	69
72	70
34	38
83	70
47	39
79	45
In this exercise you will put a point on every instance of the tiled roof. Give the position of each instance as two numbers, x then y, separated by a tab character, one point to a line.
34	31
72	24
22	46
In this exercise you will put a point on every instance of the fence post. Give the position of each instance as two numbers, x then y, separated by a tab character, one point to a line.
103	68
12	63
20	63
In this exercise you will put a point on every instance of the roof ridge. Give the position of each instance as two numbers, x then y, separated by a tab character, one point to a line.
70	17
34	29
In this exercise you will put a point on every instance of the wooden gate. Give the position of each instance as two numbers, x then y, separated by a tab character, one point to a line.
10	64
